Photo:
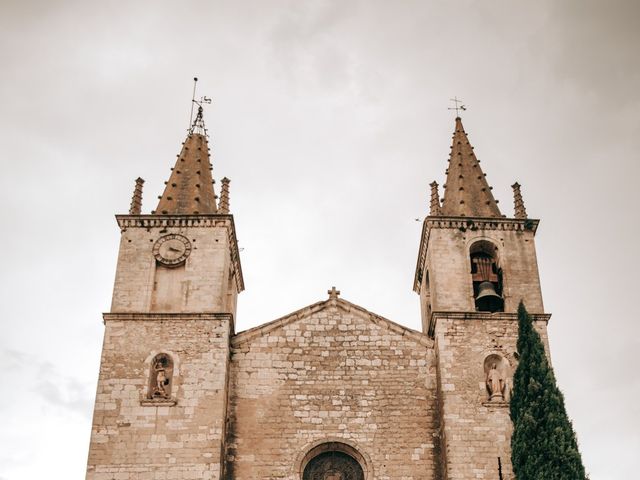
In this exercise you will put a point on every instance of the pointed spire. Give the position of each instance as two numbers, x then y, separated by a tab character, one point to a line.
518	202
467	192
136	199
224	196
434	208
190	186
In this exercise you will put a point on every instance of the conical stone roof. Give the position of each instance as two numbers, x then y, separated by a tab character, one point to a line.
190	187
467	193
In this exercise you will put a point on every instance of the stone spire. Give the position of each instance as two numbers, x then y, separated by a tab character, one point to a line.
467	192
136	199
190	187
434	207
224	196
518	202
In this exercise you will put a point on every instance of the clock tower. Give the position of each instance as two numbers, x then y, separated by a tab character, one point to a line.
167	333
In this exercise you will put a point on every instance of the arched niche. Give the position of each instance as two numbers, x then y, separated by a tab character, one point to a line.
160	377
497	375
334	460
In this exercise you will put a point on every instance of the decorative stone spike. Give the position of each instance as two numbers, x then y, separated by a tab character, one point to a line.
224	196
136	200
434	208
518	203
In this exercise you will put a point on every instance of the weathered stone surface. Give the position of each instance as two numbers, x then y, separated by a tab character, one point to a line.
334	371
181	440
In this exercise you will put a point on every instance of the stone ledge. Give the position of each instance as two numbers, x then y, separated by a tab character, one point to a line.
495	404
158	402
513	317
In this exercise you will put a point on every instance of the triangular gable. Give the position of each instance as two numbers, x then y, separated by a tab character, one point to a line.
266	328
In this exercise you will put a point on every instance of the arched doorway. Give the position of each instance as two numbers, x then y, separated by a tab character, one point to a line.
333	461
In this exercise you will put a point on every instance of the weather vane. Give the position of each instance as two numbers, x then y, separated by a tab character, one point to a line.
457	107
198	123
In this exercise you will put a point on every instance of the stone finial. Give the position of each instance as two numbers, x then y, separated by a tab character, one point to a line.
224	196
434	208
518	203
136	200
333	293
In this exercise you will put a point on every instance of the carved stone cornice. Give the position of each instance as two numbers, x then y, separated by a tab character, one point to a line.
503	316
152	221
482	223
192	221
463	224
160	317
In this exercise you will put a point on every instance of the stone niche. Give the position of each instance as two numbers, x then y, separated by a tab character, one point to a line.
497	379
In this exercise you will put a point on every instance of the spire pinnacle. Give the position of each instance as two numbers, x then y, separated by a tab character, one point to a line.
467	192
518	202
434	207
136	199
223	207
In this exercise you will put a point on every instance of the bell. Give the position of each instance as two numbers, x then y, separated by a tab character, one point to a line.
488	300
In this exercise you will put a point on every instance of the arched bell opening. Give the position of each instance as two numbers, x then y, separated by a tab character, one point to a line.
486	276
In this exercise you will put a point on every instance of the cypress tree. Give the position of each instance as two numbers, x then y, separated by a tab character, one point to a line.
543	445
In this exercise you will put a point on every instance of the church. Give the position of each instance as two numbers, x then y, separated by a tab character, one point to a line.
332	391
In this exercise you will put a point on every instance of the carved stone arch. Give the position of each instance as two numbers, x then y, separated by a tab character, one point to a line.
336	454
486	274
496	360
486	244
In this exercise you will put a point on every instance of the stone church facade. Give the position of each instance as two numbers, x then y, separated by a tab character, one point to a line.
331	391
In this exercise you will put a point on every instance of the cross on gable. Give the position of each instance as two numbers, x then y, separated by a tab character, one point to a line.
333	293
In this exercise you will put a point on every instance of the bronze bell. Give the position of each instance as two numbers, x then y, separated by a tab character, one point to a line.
488	299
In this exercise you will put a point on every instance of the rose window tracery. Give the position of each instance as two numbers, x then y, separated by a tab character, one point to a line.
333	466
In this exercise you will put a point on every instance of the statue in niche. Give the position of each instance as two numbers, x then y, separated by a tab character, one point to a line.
161	370
495	383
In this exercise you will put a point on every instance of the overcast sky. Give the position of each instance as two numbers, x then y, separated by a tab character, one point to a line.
330	118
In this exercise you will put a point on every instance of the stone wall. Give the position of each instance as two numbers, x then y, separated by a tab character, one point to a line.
134	438
332	372
476	431
204	283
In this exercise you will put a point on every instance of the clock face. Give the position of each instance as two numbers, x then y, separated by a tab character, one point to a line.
172	250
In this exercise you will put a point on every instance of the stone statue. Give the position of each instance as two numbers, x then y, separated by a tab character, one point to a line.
161	381
495	384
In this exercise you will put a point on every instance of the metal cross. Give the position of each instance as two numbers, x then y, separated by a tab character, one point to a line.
457	107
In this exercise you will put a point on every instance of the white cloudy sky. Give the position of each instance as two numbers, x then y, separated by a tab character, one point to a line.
331	118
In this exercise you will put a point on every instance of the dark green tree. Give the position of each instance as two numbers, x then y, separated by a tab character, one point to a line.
544	445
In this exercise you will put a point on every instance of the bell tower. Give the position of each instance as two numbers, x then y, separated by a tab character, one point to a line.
161	402
474	267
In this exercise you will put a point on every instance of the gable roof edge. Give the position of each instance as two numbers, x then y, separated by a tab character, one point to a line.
261	330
